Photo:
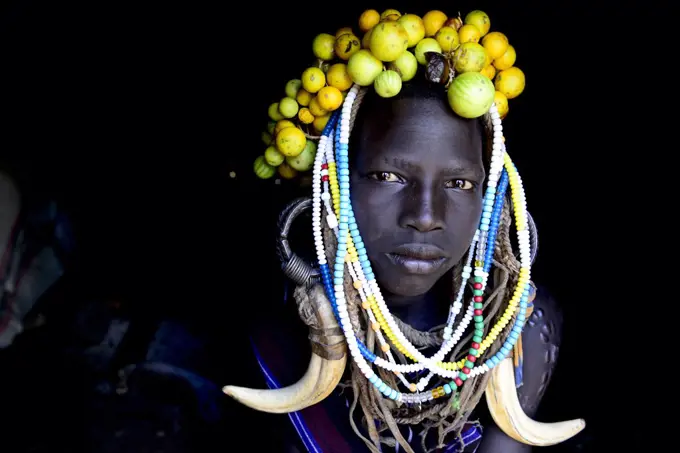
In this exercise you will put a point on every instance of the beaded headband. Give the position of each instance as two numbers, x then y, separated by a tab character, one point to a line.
327	98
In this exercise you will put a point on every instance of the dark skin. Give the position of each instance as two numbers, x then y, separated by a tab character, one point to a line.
420	167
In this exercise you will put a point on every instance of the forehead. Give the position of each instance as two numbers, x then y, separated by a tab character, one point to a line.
420	131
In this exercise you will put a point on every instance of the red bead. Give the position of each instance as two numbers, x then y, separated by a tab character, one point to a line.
324	166
472	358
475	345
466	370
458	382
478	312
324	178
479	298
477	286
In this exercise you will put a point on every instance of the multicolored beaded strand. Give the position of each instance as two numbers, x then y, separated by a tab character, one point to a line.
325	171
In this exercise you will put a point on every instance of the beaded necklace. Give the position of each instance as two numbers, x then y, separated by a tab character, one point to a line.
331	188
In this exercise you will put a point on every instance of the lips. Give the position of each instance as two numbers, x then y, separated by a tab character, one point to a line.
418	259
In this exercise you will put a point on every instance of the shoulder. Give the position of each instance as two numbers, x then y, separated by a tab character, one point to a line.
541	340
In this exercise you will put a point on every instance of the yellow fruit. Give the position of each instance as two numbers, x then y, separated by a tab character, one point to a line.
510	82
313	79
305	116
366	40
414	26
368	19
342	31
448	39
489	71
338	77
320	122
507	60
303	97
282	124
433	21
390	14
262	169
346	45
274	112
469	57
273	157
426	45
501	104
316	108
495	43
286	171
479	19
290	141
330	98
388	41
322	46
469	33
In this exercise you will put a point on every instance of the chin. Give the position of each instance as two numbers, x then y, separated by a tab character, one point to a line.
408	285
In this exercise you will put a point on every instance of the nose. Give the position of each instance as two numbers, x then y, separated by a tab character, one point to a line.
423	210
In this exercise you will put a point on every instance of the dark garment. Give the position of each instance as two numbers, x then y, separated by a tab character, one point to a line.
281	351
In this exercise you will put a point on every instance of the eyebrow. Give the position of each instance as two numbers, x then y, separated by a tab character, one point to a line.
406	165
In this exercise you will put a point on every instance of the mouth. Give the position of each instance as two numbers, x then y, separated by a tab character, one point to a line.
420	259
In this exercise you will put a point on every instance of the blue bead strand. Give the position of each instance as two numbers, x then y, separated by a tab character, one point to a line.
343	231
495	220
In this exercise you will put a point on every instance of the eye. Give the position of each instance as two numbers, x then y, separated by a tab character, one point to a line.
461	184
385	176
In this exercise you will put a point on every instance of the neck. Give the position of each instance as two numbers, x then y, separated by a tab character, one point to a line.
422	312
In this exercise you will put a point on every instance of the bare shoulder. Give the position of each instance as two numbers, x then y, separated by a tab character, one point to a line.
541	340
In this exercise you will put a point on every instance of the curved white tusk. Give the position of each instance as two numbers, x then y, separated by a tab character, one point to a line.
501	397
318	382
321	377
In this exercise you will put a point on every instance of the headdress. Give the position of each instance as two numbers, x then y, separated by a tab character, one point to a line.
477	68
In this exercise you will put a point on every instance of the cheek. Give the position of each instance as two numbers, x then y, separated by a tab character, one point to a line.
374	210
464	215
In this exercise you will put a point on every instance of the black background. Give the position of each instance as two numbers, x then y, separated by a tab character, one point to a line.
133	114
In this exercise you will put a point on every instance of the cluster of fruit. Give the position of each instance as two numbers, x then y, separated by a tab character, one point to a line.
392	48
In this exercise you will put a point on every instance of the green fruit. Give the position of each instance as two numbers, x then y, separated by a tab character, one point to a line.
426	45
305	160
363	67
273	156
387	84
288	107
262	169
406	65
274	113
471	94
270	127
292	87
266	138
